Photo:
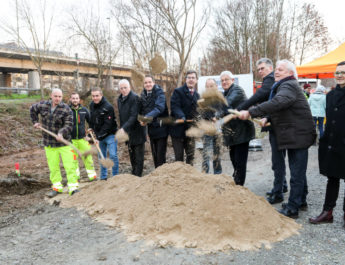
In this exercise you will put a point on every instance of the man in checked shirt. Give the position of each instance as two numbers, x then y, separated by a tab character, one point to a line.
56	117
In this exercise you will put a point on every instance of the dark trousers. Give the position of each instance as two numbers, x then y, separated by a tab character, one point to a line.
298	162
332	192
278	166
181	145
319	121
136	155
159	149
238	157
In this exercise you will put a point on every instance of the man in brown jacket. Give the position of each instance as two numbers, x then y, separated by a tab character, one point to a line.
292	123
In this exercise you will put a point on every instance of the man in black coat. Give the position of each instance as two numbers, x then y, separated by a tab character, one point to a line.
237	133
183	105
128	104
265	70
153	105
293	125
103	123
332	147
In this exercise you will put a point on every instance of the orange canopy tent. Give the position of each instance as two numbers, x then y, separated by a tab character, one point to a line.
323	67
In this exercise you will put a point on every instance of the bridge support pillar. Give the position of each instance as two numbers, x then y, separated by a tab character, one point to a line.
109	84
33	79
85	83
5	80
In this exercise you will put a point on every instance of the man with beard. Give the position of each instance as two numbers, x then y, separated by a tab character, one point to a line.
80	115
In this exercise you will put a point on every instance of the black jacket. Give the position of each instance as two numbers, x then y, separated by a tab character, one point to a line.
102	119
332	143
260	95
154	105
183	106
236	131
79	116
128	111
290	114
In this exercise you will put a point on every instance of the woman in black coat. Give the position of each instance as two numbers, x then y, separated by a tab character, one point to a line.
332	147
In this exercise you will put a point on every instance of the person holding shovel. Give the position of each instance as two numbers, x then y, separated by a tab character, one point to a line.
56	117
103	125
153	106
80	114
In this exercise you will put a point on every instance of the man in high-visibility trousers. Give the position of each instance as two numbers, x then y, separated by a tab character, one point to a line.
56	117
80	114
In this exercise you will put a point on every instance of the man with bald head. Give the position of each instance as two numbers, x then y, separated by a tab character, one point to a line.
56	117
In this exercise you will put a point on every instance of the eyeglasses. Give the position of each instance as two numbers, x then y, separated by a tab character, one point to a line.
261	69
340	73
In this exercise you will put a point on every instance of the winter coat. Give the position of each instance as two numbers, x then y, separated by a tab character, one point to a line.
183	106
290	114
236	131
317	102
79	116
154	105
102	119
332	143
128	111
261	95
60	121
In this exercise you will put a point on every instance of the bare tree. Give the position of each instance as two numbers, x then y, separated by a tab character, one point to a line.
91	27
32	32
179	27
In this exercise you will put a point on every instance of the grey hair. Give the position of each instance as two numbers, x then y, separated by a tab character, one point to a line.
124	81
266	61
228	73
56	89
211	79
289	65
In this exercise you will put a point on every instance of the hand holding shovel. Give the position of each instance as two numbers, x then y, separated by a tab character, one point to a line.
237	113
106	162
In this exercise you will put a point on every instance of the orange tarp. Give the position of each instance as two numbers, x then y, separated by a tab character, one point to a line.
323	67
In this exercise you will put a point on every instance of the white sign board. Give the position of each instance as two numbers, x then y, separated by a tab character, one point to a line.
245	81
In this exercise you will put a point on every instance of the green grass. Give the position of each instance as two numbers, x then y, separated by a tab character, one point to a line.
19	96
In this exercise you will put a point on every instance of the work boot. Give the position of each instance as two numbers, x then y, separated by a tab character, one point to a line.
52	193
73	192
275	199
324	217
93	178
303	207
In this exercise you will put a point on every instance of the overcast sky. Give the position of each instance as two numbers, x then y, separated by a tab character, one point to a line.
331	10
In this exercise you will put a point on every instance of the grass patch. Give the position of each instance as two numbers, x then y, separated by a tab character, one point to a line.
19	96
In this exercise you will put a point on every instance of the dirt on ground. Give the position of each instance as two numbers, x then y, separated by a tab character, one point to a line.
35	230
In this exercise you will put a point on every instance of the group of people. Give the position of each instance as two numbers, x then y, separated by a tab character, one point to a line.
280	103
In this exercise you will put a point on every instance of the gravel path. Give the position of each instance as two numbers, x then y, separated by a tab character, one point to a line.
46	234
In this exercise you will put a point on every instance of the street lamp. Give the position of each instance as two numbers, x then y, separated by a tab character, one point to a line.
109	37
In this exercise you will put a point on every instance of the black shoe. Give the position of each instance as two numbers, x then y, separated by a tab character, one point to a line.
303	207
74	192
270	193
52	193
289	213
275	199
285	189
103	179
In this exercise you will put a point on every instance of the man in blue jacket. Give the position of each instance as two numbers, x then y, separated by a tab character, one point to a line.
153	105
184	106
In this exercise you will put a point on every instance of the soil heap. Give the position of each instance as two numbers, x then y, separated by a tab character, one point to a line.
177	205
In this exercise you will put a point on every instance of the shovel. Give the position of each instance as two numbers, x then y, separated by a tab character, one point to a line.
145	119
106	162
62	141
172	121
237	113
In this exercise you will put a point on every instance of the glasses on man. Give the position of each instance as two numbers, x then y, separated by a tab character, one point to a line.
261	69
339	73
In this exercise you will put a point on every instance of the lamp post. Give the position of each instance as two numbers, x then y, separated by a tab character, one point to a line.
77	71
109	39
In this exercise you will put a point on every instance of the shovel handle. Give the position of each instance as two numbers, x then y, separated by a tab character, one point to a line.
62	141
96	143
237	113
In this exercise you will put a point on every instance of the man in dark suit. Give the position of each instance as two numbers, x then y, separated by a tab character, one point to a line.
184	106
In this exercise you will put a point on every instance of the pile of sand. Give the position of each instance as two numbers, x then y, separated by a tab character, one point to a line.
177	205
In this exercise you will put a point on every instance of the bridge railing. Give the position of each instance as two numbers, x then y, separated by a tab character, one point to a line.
17	90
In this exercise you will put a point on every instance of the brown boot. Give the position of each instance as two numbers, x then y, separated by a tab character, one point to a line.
324	217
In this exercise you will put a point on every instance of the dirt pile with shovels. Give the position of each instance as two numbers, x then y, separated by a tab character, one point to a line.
177	205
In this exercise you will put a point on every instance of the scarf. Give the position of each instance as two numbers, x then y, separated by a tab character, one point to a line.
277	84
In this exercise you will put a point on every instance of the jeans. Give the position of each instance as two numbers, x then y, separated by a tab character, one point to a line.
319	121
180	145
136	155
278	166
298	162
109	144
332	193
211	143
238	157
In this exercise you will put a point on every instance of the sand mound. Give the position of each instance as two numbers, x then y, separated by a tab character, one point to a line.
177	205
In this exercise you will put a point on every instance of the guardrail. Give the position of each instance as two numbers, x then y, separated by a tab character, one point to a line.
18	90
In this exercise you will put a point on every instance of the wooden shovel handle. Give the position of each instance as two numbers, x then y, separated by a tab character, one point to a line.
237	113
62	141
92	133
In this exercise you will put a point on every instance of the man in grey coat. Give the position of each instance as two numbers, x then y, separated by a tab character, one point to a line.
293	125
